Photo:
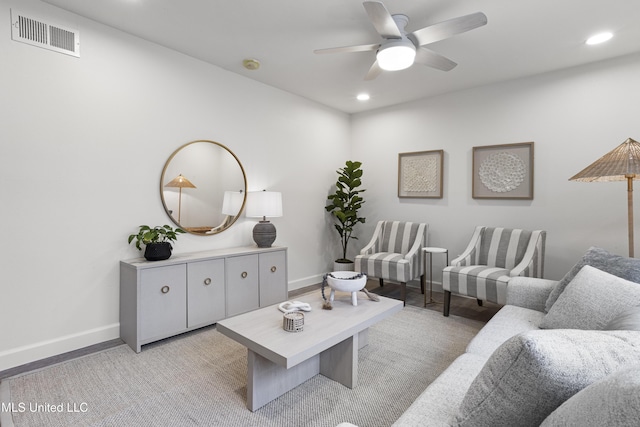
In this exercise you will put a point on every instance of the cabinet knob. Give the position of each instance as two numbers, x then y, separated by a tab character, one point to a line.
207	281
244	275
273	269
165	289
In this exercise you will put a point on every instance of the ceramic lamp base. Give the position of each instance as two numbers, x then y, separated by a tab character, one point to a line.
264	234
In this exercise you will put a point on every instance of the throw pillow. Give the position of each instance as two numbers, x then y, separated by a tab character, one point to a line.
533	373
612	401
628	320
591	300
626	268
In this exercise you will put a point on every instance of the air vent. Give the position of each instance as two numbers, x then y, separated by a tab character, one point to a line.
38	33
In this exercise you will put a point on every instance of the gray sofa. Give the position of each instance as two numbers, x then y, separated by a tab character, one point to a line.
559	353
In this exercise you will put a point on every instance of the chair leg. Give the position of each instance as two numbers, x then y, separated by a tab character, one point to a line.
381	282
446	303
423	282
480	302
403	293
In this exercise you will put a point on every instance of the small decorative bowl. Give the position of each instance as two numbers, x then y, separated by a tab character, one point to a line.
346	281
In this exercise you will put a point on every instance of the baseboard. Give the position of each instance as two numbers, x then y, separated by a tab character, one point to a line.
305	281
437	286
45	349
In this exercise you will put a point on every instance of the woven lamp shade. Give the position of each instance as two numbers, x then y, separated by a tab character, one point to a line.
616	165
180	182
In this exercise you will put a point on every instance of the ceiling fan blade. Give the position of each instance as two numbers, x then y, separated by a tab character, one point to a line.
374	71
382	20
446	29
347	49
434	60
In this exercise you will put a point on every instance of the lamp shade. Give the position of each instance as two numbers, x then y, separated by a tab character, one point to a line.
616	165
264	204
232	202
180	182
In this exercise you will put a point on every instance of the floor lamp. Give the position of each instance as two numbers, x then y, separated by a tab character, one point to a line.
180	182
620	164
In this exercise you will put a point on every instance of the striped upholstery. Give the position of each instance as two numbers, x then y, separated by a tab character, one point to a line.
493	256
394	252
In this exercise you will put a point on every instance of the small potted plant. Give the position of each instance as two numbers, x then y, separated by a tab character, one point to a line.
157	241
344	205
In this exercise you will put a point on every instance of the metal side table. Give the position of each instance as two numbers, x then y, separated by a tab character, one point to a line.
431	251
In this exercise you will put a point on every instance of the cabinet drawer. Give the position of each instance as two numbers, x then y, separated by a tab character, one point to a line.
273	278
242	284
205	291
163	301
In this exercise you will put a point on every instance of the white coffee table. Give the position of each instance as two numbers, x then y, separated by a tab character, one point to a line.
278	361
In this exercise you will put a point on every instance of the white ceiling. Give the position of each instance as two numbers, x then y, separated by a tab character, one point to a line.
522	37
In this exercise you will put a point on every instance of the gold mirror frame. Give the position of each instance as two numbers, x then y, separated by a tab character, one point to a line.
202	180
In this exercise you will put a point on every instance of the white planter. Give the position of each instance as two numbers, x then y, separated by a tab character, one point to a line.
343	266
342	281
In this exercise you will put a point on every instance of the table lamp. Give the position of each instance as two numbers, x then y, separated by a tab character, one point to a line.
264	204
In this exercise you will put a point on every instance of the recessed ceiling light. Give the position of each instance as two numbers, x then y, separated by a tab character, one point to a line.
363	97
599	38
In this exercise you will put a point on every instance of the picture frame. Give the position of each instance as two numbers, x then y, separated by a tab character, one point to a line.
420	174
503	171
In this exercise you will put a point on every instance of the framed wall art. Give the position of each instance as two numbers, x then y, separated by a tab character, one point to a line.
420	174
503	171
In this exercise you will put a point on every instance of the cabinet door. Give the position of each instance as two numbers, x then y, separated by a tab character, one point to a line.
205	292
163	301
242	284
273	278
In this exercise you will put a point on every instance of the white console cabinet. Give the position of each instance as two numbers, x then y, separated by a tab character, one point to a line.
159	299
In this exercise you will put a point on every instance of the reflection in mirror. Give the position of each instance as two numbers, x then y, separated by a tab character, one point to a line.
203	187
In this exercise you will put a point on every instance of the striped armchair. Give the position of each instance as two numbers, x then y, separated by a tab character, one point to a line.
395	253
493	256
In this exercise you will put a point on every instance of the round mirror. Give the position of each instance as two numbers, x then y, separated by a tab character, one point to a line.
203	187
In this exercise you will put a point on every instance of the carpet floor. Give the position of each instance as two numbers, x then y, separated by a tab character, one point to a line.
199	379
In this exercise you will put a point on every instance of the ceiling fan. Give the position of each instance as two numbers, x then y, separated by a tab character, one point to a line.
400	49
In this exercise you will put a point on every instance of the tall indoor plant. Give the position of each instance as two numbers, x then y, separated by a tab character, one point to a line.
345	203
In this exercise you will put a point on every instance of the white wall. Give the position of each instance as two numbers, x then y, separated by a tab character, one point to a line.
573	117
82	146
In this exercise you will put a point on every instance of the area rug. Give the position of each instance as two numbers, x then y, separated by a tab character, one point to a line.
199	379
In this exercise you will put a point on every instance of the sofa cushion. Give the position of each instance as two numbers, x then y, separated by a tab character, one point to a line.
612	401
533	373
627	320
506	323
439	403
626	268
591	300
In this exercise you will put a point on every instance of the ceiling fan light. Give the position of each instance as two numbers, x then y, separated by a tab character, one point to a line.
396	56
